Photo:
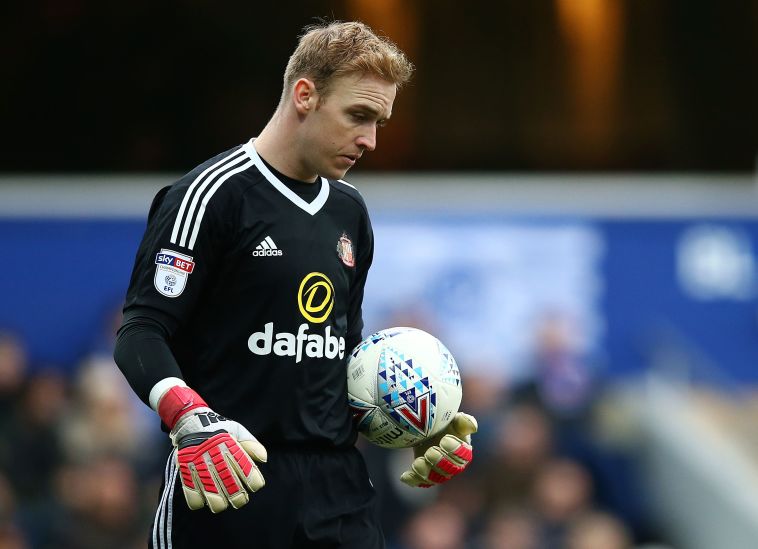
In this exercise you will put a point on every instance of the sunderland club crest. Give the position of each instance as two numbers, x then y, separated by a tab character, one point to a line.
345	250
171	272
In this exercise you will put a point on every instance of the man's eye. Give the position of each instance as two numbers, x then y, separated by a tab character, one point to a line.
360	117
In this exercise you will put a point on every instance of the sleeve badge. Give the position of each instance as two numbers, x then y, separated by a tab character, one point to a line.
172	271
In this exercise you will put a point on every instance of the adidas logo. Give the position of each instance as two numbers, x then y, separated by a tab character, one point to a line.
266	248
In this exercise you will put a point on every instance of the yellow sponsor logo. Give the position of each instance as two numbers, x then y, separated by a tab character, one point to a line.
315	297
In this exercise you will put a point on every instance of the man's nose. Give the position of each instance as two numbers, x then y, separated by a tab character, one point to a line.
367	140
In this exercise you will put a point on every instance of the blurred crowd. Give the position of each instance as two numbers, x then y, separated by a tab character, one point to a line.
80	455
553	466
81	461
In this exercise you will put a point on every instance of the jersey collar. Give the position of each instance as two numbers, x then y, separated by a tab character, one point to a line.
310	207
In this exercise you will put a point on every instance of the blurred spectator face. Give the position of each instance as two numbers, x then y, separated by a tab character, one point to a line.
439	526
524	437
103	390
105	490
11	537
44	399
114	494
464	496
72	486
555	334
511	530
12	364
520	447
482	395
598	531
104	421
564	377
562	490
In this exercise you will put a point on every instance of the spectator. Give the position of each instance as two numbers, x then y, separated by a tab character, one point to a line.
563	380
33	438
102	421
485	399
437	526
99	506
513	528
523	444
598	531
562	492
13	366
11	536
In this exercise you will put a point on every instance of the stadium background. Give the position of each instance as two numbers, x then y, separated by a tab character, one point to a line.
566	195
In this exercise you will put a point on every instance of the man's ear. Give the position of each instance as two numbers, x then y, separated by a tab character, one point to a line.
304	96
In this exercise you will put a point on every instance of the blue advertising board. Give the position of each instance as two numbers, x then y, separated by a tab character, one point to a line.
635	289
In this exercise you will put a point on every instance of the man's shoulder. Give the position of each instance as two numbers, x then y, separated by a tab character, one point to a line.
229	172
226	157
346	189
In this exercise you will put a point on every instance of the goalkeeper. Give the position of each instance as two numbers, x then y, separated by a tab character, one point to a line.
244	299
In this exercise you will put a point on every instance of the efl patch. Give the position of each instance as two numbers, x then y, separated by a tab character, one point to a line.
345	250
172	271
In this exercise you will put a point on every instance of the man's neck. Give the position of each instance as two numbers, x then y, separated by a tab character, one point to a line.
275	145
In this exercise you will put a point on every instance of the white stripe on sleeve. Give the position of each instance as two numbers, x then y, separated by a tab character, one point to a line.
217	166
208	196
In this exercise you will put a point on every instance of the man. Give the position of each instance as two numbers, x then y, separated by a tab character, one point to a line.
245	300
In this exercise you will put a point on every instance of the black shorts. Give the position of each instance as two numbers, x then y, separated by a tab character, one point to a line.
312	499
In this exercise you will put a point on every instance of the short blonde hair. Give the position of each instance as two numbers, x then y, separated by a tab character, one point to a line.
330	50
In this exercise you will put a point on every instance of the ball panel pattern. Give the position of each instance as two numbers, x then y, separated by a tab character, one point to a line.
403	387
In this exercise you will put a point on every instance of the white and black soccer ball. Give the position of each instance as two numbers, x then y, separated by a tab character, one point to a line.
403	386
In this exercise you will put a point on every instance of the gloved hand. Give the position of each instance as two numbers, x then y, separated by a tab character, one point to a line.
444	456
213	453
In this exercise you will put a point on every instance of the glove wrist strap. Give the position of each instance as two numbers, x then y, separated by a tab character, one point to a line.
176	402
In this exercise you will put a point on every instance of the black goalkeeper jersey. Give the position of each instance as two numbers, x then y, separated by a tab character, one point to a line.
263	286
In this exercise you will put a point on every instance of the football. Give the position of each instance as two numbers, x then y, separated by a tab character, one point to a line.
404	386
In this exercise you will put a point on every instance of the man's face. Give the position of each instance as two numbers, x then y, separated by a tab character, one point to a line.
344	122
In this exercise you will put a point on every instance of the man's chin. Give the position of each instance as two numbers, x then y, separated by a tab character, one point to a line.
336	173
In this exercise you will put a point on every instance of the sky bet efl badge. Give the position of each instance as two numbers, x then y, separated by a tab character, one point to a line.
172	272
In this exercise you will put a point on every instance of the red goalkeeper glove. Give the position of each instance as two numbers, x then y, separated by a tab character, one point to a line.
215	454
444	456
